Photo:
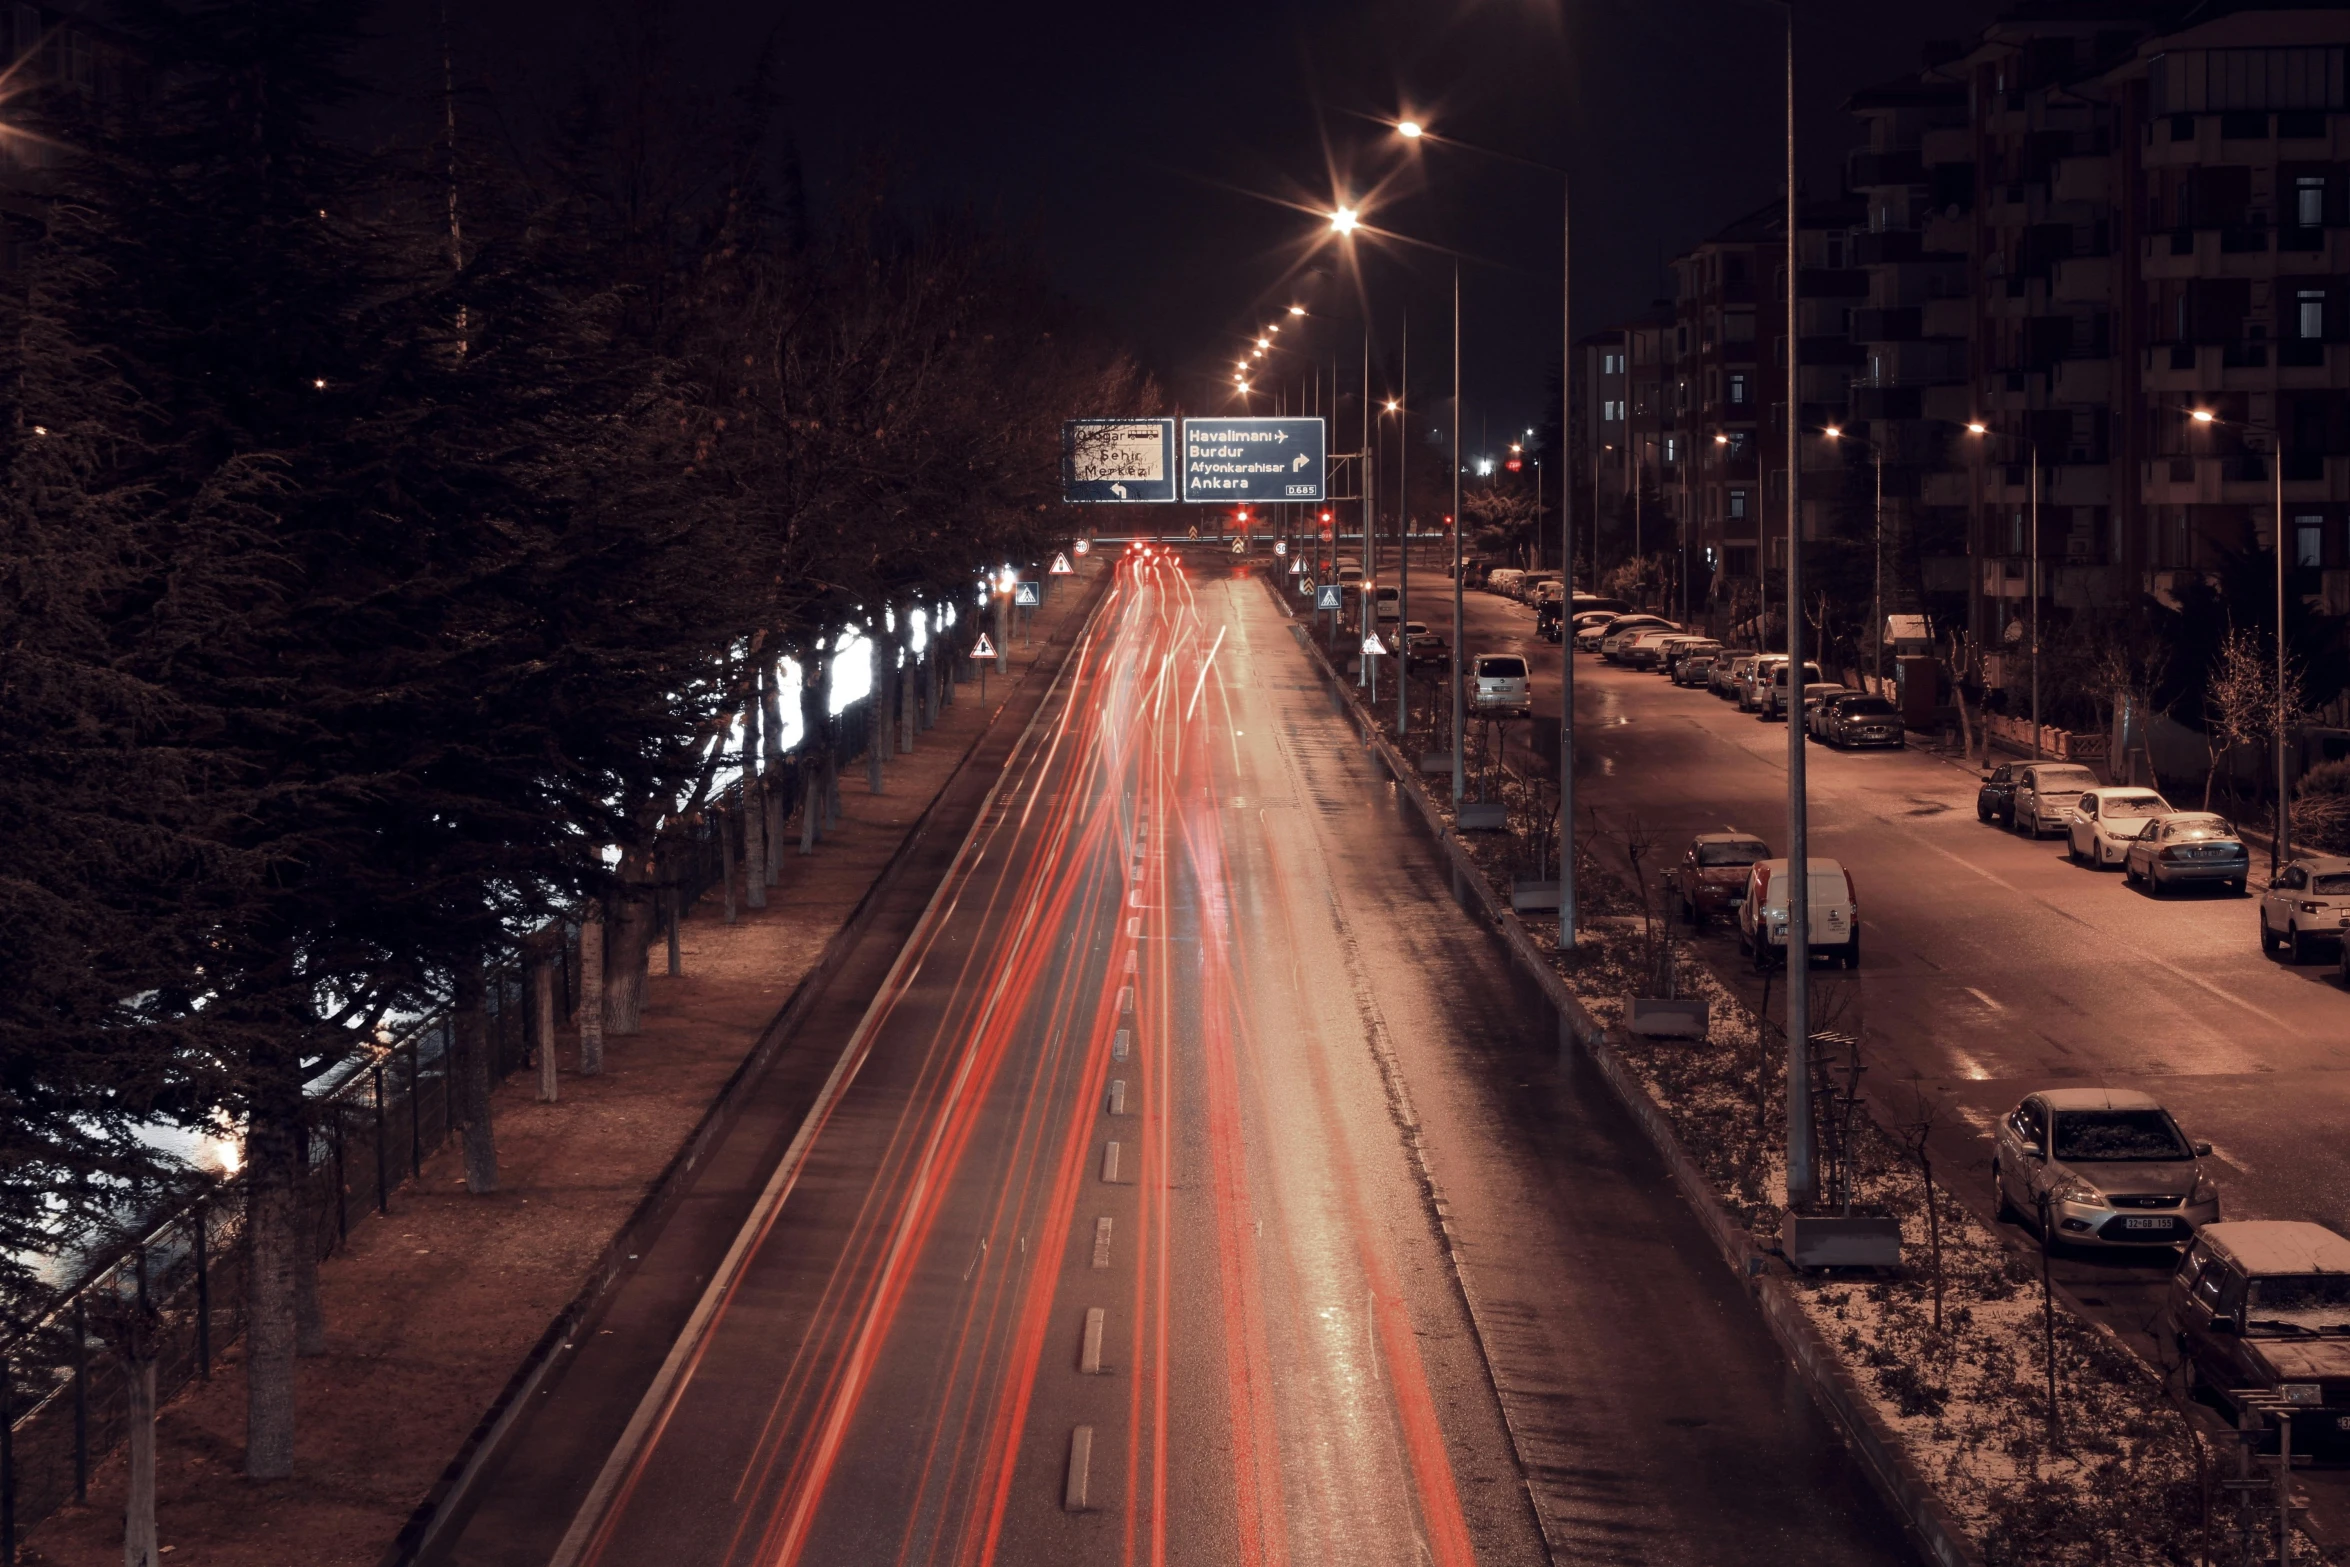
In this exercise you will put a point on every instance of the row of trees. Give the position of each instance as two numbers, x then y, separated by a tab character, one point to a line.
391	538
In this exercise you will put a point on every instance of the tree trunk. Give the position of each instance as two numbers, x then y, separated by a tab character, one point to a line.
876	737
309	1321
473	1047
771	747
271	1239
758	821
542	1011
909	689
591	993
138	1519
626	946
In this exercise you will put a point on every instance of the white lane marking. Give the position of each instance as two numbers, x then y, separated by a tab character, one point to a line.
1129	968
2219	1152
1117	1096
1986	1000
1125	998
1080	1460
1101	1241
1110	1161
1121	1045
1134	927
1134	899
977	1258
1089	1359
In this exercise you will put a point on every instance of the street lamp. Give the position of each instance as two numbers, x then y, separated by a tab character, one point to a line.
2279	845
1414	131
1345	220
1877	601
1403	543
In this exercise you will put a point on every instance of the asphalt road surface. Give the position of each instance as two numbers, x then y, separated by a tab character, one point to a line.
1204	1186
1991	965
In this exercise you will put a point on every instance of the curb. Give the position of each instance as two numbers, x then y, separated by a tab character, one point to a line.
1890	1468
449	1495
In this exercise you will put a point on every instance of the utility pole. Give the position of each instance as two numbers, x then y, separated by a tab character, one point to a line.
1802	1170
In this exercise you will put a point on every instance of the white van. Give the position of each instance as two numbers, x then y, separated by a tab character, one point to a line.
1502	579
1835	912
1502	684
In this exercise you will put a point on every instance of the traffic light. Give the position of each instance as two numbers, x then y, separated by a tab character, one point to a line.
1513	465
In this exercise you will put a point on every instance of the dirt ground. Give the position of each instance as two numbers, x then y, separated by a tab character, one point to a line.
430	1309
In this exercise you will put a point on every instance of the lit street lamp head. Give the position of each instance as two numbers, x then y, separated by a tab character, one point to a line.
2204	416
1410	130
1297	310
1832	433
1343	221
1977	428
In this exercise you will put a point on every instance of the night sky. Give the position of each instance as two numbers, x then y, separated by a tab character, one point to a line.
1157	155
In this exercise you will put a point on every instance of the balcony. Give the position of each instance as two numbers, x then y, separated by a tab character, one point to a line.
2301	353
1947	487
1887	168
1949	144
1887	402
2082	381
2242	239
1946	317
2243	356
1950	404
1886	326
1945	235
1870	250
2083	179
2082	280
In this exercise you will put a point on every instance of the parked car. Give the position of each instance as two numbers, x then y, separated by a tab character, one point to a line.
1833	912
2307	904
2045	791
1816	710
1350	573
1592	601
1424	649
1865	720
1624	628
1541	589
1501	684
2100	827
1684	646
1757	675
1386	605
2106	1166
1695	669
1647	649
2263	1305
1591	625
2186	848
1711	876
1995	799
1502	580
1773	701
1729	670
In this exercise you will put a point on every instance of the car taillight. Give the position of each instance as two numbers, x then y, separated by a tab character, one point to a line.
2169	854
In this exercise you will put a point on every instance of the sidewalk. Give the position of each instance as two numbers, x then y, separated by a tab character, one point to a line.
430	1310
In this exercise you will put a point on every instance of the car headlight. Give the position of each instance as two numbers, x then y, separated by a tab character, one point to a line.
2206	1190
2074	1189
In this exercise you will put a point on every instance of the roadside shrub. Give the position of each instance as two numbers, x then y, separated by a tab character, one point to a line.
2321	809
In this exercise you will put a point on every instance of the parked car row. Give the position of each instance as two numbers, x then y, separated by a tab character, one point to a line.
2155	845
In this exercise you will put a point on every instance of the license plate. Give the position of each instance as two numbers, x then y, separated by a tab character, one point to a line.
2146	1224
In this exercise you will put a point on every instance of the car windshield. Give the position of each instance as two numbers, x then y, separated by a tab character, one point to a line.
1867	707
2334	886
2299	1303
2197	832
2096	1136
2058	780
2134	805
1731	853
1501	669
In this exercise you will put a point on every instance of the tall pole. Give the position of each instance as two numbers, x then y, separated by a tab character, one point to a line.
1566	938
1370	590
1802	1175
1877	633
2035	583
1403	534
1460	782
2279	845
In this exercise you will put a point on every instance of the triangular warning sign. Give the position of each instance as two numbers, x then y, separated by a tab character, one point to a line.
1372	644
1061	566
983	648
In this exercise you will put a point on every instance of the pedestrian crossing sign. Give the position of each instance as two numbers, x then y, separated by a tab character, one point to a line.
1329	596
1027	595
983	648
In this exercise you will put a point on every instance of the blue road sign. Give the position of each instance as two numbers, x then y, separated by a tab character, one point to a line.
1329	596
1118	461
1026	595
1253	459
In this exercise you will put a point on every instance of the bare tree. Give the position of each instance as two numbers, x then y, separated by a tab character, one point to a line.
2240	700
1915	1134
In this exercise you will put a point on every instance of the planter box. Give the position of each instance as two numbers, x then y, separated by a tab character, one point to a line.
1528	897
1658	1017
1814	1241
1483	816
1436	761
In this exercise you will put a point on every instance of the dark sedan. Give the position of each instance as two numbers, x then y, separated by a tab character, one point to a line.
1711	876
1867	720
1995	800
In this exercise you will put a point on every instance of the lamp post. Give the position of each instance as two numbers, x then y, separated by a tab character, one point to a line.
1398	406
2280	843
1877	593
1415	132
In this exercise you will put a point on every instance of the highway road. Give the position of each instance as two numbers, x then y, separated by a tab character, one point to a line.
1202	1186
1991	965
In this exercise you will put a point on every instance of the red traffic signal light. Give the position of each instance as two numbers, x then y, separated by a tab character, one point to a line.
1513	465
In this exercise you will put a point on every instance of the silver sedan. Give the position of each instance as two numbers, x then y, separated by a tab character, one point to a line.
2188	848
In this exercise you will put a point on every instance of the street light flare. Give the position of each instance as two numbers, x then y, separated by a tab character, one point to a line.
1410	130
1343	221
1976	428
2203	416
1297	310
1832	432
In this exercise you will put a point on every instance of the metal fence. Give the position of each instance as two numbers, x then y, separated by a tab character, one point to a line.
63	1386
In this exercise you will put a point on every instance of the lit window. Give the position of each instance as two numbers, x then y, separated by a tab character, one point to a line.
2309	541
2309	200
2311	318
1737	503
1738	386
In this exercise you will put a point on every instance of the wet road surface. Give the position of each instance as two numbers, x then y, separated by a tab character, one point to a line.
1204	1186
